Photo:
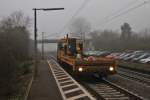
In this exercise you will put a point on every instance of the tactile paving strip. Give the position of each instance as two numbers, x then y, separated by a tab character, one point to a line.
69	88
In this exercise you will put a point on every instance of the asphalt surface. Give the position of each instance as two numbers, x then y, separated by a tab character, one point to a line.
44	86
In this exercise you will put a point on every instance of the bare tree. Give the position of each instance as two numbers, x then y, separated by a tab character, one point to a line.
106	39
16	19
14	43
126	31
110	40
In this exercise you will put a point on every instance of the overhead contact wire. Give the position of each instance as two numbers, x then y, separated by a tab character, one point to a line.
127	11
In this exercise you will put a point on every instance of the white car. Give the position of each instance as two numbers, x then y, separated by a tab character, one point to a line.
146	60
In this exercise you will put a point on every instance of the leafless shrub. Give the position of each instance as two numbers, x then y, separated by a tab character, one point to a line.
14	45
111	40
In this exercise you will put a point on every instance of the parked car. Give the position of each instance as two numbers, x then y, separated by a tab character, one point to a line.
121	55
90	53
115	55
111	55
131	57
96	53
143	56
125	56
146	60
138	51
104	53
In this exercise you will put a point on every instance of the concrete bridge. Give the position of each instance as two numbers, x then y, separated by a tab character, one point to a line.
48	41
56	40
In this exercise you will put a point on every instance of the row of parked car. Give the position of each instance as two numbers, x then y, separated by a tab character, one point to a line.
132	56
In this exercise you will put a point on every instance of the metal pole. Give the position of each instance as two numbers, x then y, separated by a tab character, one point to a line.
43	45
35	35
84	41
35	42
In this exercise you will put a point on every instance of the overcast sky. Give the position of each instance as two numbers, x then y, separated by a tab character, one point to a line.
96	12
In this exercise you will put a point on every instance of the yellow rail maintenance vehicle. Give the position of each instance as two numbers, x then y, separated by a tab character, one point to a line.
70	52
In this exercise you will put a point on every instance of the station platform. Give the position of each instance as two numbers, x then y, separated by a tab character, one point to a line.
44	87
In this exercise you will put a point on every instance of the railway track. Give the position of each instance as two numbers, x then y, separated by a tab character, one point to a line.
140	77
105	90
101	90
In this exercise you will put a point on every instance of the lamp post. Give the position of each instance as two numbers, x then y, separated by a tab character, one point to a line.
35	33
42	45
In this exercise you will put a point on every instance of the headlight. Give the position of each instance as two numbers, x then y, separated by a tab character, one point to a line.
111	68
80	69
79	56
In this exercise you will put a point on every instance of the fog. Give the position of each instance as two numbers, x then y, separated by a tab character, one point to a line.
48	47
97	12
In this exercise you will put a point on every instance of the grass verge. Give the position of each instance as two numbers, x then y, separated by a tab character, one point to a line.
144	68
25	76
